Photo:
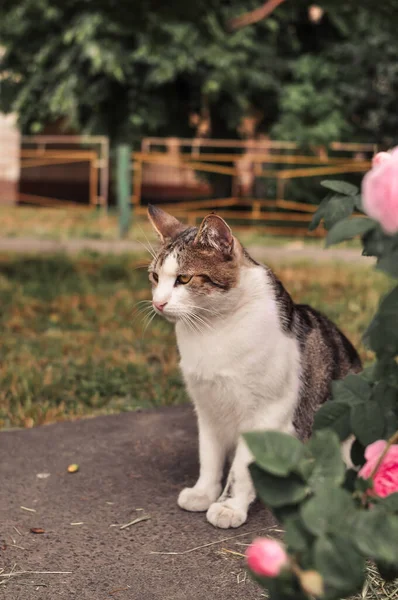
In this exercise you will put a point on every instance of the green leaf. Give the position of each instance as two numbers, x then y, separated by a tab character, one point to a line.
329	468
338	208
367	422
330	510
340	564
278	491
336	416
319	214
276	453
377	243
390	503
381	336
369	373
353	389
358	202
350	480
387	369
387	398
363	485
296	535
377	535
332	209
282	513
341	187
348	229
305	467
389	264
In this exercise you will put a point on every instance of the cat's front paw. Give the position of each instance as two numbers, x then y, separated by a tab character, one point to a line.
197	499
225	515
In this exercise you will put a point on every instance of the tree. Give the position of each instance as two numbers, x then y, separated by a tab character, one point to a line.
129	70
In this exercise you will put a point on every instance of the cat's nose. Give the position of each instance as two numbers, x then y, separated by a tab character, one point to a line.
159	305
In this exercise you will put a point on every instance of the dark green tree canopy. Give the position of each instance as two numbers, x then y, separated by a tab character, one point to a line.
131	69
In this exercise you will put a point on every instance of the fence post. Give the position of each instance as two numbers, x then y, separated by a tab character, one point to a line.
124	188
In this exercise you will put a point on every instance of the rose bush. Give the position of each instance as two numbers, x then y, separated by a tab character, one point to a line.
336	518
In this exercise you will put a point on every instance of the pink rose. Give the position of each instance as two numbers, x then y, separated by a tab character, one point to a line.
380	157
380	190
385	481
266	557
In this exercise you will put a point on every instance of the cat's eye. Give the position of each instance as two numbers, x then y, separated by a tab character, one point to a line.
183	279
155	277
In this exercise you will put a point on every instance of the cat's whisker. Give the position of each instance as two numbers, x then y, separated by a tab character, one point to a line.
148	242
148	323
195	323
187	322
142	305
143	266
202	320
201	308
151	252
142	311
146	301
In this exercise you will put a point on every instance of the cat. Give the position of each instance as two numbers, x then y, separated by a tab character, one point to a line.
251	358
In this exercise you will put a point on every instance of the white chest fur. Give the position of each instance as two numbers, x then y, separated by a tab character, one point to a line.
245	363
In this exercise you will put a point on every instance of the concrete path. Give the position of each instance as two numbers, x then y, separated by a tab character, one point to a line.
293	251
131	465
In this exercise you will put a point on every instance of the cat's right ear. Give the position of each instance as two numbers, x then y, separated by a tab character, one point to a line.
166	226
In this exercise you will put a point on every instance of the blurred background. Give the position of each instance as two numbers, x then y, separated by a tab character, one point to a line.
240	107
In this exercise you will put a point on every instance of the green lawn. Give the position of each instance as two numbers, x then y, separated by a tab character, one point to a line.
69	223
72	343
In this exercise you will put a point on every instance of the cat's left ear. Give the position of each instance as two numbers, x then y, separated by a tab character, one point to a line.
215	232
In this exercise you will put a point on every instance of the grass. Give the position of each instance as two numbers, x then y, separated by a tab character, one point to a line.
62	224
72	347
376	588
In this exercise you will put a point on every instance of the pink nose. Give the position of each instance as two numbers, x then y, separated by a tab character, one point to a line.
160	305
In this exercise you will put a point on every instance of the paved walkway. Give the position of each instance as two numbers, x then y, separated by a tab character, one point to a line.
131	465
294	251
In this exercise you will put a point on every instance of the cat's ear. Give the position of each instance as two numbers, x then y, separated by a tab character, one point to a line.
215	232
165	225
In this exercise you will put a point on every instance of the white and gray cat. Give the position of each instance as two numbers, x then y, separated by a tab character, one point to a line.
251	358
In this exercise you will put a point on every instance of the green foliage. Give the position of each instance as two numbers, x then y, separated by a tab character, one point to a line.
329	529
340	563
348	229
338	521
280	455
132	69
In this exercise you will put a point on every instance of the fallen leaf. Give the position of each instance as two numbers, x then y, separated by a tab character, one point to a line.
73	468
37	530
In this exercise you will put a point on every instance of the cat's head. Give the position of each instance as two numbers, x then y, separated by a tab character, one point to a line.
195	272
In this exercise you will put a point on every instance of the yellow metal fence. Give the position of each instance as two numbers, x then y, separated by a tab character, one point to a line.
39	152
281	164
